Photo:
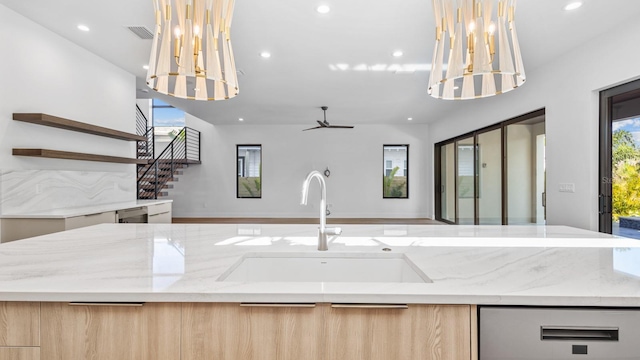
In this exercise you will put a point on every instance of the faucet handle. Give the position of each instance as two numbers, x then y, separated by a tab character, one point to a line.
333	230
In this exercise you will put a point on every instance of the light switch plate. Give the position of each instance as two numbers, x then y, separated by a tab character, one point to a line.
567	187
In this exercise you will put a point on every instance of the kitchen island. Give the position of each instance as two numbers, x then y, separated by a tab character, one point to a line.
188	314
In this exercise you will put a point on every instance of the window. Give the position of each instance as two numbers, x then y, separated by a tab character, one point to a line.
249	170
395	180
165	115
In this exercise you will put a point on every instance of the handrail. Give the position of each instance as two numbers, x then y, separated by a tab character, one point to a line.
142	124
184	149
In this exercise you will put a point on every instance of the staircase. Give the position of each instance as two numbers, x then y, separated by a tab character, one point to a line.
155	176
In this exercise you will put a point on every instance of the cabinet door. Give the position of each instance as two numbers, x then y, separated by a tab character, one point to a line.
161	218
148	332
19	324
18	353
233	332
419	332
108	217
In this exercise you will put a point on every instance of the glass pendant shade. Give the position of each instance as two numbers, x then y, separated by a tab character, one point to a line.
191	54
468	61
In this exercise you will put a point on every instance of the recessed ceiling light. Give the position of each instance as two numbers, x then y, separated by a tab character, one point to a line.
240	119
397	53
573	5
323	9
146	67
265	54
409	119
83	27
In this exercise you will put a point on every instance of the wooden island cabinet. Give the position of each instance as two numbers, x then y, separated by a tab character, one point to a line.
233	331
19	331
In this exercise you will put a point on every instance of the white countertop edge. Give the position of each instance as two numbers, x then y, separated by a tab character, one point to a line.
85	210
569	301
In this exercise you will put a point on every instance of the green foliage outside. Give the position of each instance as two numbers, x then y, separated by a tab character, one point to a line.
626	175
180	134
249	187
394	186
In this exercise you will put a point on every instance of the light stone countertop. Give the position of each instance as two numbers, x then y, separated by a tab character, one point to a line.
84	210
517	265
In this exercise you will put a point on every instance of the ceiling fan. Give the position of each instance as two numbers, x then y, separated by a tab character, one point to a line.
325	124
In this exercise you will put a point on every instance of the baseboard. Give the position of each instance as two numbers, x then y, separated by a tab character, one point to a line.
262	220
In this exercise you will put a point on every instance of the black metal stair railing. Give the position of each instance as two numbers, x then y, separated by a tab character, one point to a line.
182	151
142	124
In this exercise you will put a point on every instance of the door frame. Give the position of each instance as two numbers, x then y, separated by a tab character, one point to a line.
605	167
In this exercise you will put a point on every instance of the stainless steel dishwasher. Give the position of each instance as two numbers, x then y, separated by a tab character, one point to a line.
536	333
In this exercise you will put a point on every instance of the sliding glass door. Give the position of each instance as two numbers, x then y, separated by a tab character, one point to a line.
465	183
499	174
489	177
620	160
447	186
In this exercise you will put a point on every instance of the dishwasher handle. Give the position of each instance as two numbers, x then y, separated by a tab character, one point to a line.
580	333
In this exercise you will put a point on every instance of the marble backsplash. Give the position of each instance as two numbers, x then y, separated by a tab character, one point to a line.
26	191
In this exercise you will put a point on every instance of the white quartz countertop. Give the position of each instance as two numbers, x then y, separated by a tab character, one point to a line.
517	265
84	210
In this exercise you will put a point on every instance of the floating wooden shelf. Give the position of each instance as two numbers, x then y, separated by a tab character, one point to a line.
57	122
56	154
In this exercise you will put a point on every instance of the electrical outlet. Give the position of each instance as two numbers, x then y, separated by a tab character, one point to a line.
567	187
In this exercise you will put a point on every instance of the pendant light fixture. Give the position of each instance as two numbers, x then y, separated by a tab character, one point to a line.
191	54
477	53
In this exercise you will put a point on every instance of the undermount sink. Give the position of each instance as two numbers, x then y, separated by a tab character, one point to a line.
315	267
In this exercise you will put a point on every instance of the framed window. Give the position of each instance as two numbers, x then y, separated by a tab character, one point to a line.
249	170
395	179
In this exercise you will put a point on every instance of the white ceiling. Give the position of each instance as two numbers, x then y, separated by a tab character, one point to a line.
290	87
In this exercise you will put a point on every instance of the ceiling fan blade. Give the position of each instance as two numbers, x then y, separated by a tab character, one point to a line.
322	124
313	128
340	126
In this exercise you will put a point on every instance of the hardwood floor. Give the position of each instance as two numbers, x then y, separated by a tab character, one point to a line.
345	221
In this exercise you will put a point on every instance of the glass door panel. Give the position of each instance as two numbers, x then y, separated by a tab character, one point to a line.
465	181
489	150
447	182
525	172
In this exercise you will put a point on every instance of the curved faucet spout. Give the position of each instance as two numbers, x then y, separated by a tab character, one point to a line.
322	231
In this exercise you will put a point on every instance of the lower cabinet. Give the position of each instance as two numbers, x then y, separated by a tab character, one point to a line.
19	353
108	332
371	332
19	331
19	324
232	331
326	331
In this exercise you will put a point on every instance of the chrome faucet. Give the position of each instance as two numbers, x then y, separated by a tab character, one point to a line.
323	231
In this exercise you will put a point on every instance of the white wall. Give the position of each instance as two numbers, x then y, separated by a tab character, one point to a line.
354	157
569	89
44	73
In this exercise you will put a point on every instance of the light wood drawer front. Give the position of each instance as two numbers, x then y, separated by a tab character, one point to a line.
108	217
232	332
418	332
148	332
19	353
158	209
19	324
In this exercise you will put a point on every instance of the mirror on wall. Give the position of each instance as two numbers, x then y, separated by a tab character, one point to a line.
249	170
395	177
